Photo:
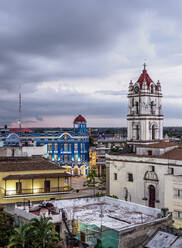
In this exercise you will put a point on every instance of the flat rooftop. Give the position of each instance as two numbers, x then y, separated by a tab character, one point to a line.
109	212
175	154
161	144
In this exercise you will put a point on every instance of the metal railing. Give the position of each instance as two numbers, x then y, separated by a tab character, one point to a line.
36	191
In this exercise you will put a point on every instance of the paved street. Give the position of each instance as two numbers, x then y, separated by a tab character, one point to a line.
77	182
79	190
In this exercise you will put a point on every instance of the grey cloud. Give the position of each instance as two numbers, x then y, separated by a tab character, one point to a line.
172	110
74	34
112	92
64	105
173	97
45	40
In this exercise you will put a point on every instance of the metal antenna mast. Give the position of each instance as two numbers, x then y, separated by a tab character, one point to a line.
19	110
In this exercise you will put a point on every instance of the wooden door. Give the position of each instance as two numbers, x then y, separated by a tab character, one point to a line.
151	196
47	186
18	187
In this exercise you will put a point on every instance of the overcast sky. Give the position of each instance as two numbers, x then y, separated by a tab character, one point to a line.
77	57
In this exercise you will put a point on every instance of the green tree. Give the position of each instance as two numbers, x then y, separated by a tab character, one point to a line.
92	175
43	233
20	237
6	227
91	141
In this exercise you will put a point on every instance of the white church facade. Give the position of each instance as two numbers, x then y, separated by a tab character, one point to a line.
149	170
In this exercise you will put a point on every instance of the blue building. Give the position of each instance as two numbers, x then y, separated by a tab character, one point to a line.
69	149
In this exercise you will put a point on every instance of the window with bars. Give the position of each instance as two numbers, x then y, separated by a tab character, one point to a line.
76	146
76	157
81	146
65	147
55	146
65	157
115	176
130	177
177	214
177	192
49	147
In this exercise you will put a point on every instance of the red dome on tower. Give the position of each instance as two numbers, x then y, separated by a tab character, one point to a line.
144	77
80	118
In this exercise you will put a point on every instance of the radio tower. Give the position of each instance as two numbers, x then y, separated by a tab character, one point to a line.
19	121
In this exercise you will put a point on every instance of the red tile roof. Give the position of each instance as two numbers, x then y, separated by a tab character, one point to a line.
175	154
23	130
27	164
144	77
80	118
161	144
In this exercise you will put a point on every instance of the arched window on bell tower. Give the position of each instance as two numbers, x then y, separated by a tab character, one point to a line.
153	132
137	132
152	89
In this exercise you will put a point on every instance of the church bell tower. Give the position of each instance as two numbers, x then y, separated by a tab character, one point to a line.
145	118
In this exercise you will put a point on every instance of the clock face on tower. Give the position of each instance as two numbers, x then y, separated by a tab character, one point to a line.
136	89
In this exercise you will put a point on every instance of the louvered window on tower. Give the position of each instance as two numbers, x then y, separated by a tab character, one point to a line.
137	108
152	89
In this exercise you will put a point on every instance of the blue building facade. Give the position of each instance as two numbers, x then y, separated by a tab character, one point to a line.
69	149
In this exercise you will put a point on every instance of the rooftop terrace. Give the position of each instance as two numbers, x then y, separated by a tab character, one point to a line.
108	212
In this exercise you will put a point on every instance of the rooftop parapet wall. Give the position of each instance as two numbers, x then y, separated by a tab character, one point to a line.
108	200
140	235
116	214
163	159
155	151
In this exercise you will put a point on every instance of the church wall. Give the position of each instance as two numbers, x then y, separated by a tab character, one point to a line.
137	190
173	197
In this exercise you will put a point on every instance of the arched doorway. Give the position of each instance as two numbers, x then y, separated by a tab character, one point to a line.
151	189
76	171
83	170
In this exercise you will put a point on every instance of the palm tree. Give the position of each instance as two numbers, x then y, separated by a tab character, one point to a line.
20	237
6	227
43	232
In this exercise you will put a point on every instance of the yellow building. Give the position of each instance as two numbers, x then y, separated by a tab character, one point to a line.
31	179
92	160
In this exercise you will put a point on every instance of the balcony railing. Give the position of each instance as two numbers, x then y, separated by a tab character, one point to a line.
35	191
